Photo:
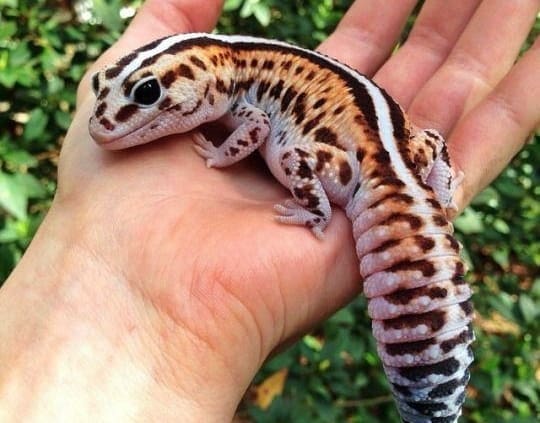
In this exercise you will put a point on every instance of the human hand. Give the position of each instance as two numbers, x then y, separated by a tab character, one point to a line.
200	282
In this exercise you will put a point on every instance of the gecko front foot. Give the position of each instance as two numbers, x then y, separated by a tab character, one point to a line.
205	149
293	213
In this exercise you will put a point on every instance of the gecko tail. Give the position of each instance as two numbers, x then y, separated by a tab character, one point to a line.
418	301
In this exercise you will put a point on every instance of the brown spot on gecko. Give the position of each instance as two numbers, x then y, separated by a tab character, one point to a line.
168	78
268	65
439	220
467	307
234	151
287	65
459	274
275	92
322	158
360	154
434	319
326	136
454	245
304	171
310	75
405	296
254	63
211	99
299	108
345	173
414	222
290	93
424	243
320	102
106	123
126	112
339	109
402	348
185	71
394	196
427	408
426	267
104	93
100	110
298	70
434	203
197	62
386	245
263	87
382	157
220	86
253	136
242	143
446	367
461	338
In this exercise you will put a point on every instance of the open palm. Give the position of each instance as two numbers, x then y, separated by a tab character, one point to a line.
199	247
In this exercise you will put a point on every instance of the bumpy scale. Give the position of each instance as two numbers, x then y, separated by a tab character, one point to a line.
330	135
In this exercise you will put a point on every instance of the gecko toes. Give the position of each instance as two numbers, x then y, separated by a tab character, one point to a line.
292	213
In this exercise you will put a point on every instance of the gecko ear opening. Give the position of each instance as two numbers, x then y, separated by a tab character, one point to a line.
95	83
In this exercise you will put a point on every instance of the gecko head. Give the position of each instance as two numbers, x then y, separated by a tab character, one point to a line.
144	96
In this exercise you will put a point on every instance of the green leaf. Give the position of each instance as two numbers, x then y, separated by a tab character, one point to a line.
231	5
528	308
62	119
29	185
7	30
13	199
36	125
262	13
470	222
313	343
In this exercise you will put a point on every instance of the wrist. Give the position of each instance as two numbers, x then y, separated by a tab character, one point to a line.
82	341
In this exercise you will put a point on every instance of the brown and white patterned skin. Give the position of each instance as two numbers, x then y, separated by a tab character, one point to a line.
330	135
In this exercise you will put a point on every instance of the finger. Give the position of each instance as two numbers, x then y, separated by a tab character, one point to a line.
155	19
435	31
492	133
367	33
482	56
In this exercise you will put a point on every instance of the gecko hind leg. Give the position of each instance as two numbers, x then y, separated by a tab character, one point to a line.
310	206
439	174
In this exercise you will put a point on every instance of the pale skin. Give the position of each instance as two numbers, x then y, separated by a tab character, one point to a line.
156	288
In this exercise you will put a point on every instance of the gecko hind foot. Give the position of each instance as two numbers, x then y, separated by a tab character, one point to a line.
292	213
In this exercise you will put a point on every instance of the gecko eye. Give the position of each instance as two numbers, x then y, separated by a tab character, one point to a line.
147	92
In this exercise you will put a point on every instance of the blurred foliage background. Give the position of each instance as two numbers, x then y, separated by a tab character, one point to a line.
333	374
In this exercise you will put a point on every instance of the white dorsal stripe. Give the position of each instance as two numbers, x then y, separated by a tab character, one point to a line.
381	106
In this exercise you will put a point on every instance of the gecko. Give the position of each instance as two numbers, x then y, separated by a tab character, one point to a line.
333	138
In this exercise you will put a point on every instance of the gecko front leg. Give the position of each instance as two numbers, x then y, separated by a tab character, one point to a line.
251	128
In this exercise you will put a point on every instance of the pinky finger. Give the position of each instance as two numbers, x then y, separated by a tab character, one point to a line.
492	133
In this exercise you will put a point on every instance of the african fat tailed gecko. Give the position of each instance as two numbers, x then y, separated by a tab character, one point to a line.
330	135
